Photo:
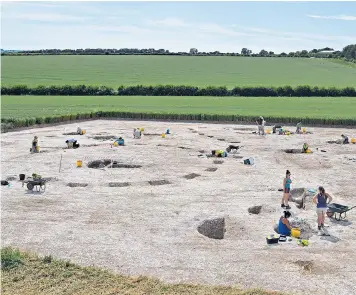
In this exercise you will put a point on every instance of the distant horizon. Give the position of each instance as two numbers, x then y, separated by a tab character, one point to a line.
179	26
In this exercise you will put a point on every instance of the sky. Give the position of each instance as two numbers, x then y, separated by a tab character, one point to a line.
179	26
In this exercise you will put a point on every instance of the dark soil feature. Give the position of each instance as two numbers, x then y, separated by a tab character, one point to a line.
191	176
152	134
118	165
75	184
218	161
237	157
104	137
293	151
202	151
119	184
211	169
193	131
159	182
334	141
221	139
255	210
166	145
235	141
51	136
70	133
210	136
99	163
201	133
184	148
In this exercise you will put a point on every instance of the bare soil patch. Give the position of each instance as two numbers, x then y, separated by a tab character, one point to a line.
221	139
184	148
293	151
97	164
211	169
218	162
71	133
212	228
104	137
305	265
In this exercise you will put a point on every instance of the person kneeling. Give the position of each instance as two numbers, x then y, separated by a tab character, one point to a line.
345	139
305	148
120	141
284	227
34	148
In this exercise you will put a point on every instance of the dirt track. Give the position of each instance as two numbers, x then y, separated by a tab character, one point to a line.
141	228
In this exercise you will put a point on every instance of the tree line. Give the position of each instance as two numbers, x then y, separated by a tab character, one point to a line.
348	53
180	90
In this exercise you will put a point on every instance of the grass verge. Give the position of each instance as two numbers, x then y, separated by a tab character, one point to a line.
47	276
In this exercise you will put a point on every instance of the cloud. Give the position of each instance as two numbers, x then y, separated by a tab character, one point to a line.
170	22
120	29
336	17
44	17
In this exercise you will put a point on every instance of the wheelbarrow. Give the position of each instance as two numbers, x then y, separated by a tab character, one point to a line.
338	211
37	184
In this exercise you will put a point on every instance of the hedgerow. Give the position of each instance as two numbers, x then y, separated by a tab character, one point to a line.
25	122
179	90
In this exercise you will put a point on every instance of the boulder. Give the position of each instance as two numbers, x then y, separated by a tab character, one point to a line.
212	228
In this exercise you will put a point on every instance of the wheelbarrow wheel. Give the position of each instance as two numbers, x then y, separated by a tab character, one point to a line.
329	213
30	186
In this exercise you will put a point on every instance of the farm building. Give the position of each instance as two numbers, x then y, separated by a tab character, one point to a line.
324	53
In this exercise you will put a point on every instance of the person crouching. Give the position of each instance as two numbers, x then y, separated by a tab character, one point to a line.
72	143
34	148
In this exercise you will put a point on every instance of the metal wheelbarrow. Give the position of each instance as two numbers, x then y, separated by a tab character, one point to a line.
38	184
338	211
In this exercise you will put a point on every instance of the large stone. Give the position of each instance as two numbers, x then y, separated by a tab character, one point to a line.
212	228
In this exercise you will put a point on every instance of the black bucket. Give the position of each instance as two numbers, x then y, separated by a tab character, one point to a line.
22	176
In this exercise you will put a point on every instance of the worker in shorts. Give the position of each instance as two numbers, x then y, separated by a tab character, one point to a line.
321	200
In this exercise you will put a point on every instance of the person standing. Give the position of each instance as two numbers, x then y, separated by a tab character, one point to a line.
287	181
261	125
321	200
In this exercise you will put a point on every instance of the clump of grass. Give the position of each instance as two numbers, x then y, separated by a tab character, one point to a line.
39	277
10	258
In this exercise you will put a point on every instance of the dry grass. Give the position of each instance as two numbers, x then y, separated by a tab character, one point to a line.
48	276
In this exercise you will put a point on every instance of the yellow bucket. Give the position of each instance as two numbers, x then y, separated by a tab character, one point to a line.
309	151
304	130
295	233
116	143
353	140
79	163
142	129
268	131
38	148
84	131
163	135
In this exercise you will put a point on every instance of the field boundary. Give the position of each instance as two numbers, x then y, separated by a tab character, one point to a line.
13	124
179	90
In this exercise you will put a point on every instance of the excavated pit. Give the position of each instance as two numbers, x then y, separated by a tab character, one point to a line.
75	184
293	151
191	176
255	210
97	164
212	228
71	133
119	184
218	162
104	137
159	182
211	169
221	139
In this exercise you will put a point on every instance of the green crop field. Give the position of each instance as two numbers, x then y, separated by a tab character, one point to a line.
312	107
176	70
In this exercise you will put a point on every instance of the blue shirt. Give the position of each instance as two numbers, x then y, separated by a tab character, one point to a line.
283	229
322	201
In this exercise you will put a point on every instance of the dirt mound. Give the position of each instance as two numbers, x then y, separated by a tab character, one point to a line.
119	184
159	182
75	184
99	163
212	228
307	231
218	161
293	151
211	169
191	176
